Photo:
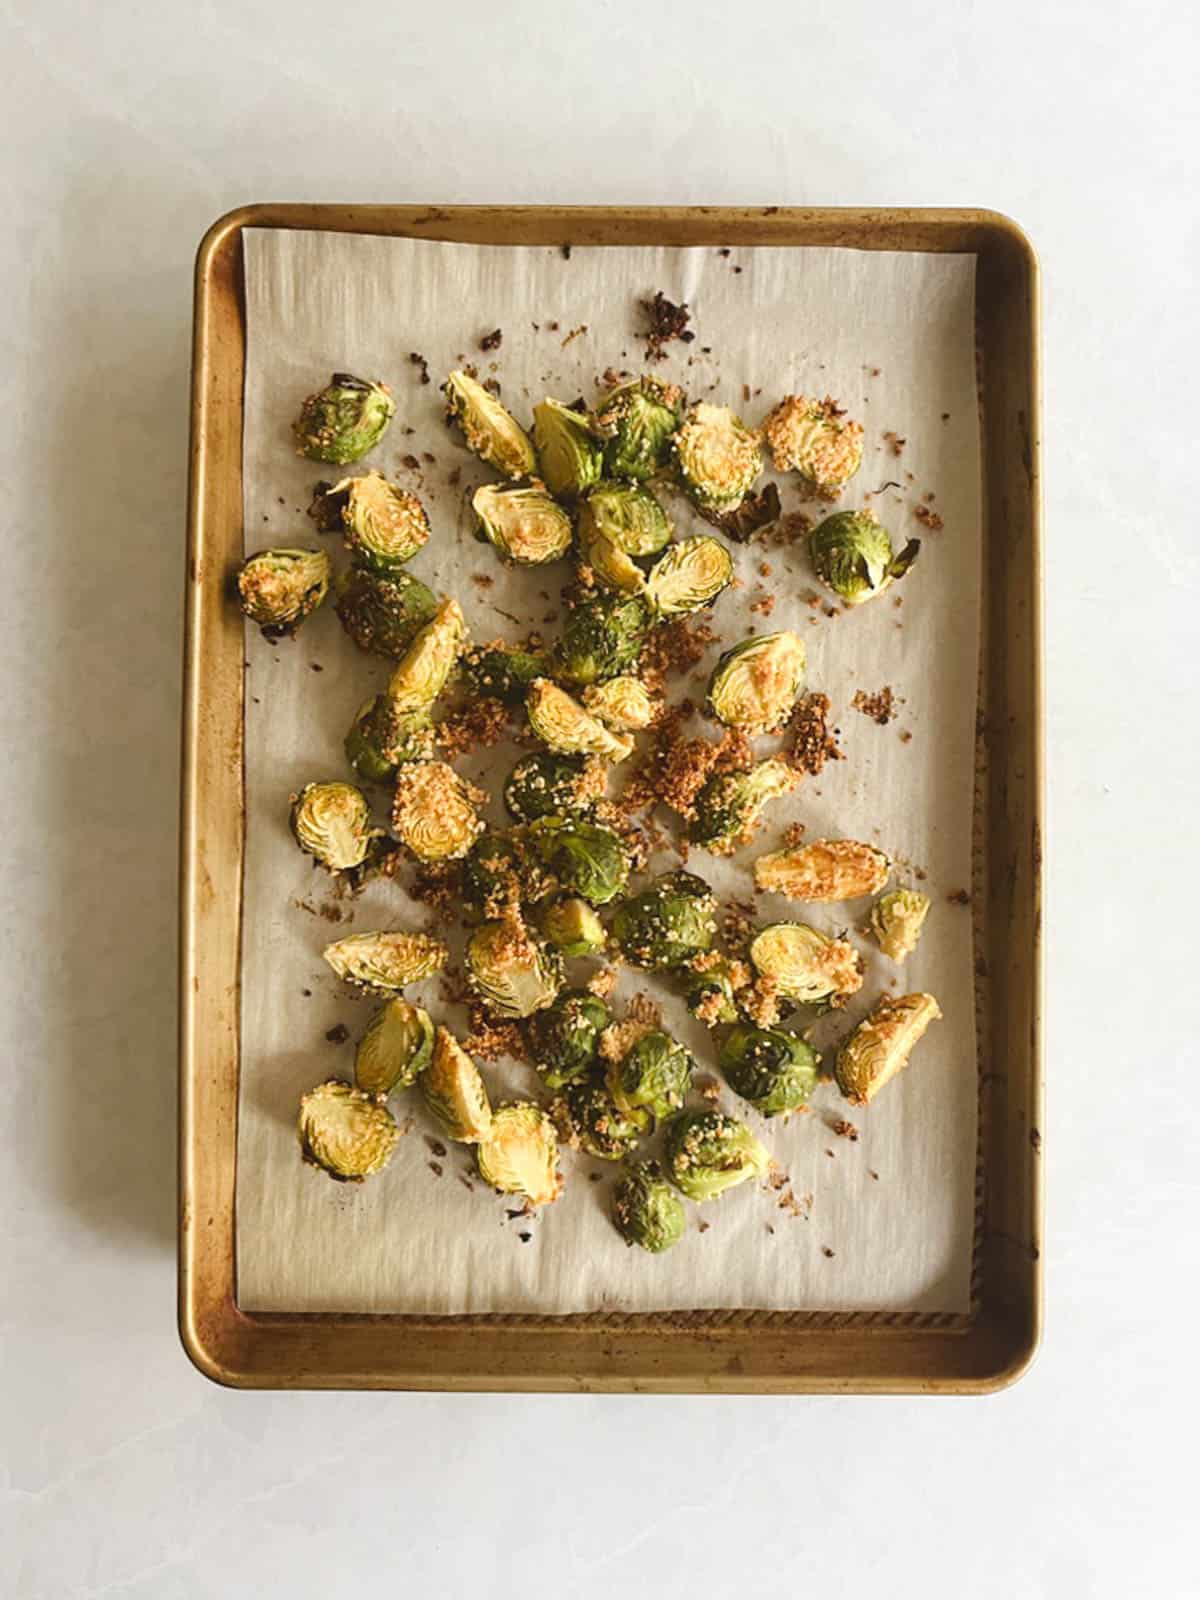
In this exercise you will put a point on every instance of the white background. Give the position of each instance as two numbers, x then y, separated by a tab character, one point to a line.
129	127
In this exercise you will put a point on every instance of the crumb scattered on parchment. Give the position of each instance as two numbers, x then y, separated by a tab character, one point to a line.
708	1089
896	442
667	321
763	605
702	1226
466	1182
603	982
419	360
674	768
872	1174
927	515
435	1167
809	742
493	340
404	1126
338	1034
478	723
905	737
959	897
327	910
881	706
844	1129
574	334
673	649
826	1251
793	835
436	1147
565	251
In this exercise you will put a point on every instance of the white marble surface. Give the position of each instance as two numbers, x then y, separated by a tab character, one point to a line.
128	128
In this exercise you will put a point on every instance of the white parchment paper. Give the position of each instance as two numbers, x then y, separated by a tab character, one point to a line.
890	1222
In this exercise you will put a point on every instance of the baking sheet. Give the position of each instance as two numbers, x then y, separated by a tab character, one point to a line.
891	1218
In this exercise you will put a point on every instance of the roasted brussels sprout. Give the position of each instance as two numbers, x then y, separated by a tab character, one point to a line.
424	667
623	704
455	1092
523	523
730	803
717	457
774	1070
279	588
646	1210
549	785
825	869
561	722
601	638
571	926
332	821
707	1152
755	684
852	554
638	421
489	431
433	813
569	454
513	973
881	1045
588	1118
608	562
565	1037
689	576
394	1050
654	1075
504	671
501	872
627	515
383	615
344	420
381	737
803	964
584	858
520	1154
816	439
382	963
710	985
897	919
385	524
668	923
345	1132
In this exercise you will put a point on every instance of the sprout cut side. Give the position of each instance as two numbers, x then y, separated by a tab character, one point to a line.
896	921
383	963
433	813
717	457
332	821
277	589
454	1091
689	576
804	965
523	523
394	1050
489	431
385	524
513	973
345	1132
427	663
816	439
520	1154
562	723
570	456
755	684
881	1045
344	420
823	870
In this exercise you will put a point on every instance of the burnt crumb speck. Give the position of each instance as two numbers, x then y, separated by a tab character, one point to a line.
493	340
959	897
316	666
844	1129
566	251
826	1251
524	1237
492	385
512	1214
667	321
307	993
436	1147
595	1177
418	360
411	462
338	1034
436	1168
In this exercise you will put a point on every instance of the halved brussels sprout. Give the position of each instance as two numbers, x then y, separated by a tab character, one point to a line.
608	562
382	963
690	576
897	919
816	439
572	927
513	973
602	636
667	923
433	813
383	615
710	986
520	1154
561	722
628	516
825	869
584	858
490	432
717	457
638	420
428	661
755	684
773	1069
344	420
654	1075
565	1037
385	524
332	821
501	872
646	1210
345	1132
588	1118
523	523
279	588
381	737
803	964
707	1152
394	1050
623	704
730	804
455	1092
549	785
852	554
569	455
881	1045
504	671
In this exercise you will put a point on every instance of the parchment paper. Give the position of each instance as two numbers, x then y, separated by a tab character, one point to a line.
890	1223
